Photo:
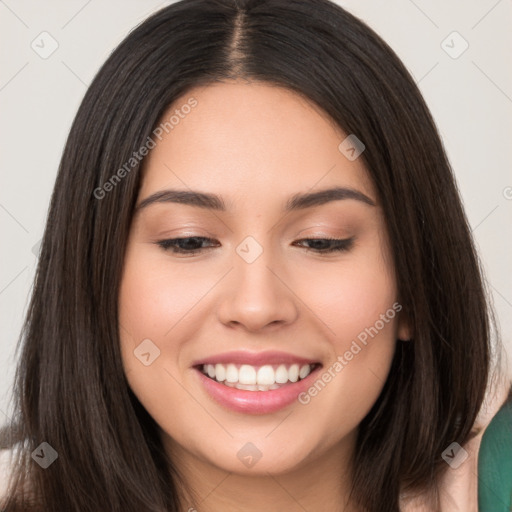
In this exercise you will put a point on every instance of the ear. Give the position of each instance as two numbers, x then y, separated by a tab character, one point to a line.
404	327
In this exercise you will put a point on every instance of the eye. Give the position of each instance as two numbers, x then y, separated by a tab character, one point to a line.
194	244
328	245
186	245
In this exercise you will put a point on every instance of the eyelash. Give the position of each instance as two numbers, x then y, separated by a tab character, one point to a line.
340	245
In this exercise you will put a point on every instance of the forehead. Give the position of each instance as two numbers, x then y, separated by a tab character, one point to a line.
249	142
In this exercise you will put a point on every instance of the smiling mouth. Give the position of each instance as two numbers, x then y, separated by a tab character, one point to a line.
257	378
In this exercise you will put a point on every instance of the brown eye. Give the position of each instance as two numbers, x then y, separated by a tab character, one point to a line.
328	245
186	245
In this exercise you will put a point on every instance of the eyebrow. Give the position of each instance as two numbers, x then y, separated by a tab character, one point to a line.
209	201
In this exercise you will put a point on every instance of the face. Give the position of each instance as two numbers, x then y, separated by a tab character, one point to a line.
288	303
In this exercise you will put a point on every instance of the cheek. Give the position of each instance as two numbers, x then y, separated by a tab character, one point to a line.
362	352
356	301
155	296
151	304
350	298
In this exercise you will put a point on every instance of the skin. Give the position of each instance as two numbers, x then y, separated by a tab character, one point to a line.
255	145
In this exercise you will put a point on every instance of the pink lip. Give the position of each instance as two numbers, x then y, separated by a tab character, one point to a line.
256	402
254	358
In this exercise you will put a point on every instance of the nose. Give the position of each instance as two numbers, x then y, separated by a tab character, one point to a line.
258	295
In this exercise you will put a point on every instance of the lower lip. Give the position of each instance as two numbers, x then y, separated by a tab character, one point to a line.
255	402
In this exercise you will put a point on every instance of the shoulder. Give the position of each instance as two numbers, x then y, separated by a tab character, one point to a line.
495	462
459	486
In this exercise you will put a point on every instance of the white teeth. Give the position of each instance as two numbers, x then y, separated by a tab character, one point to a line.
247	374
265	376
247	387
293	373
256	387
253	378
231	373
281	374
220	372
304	371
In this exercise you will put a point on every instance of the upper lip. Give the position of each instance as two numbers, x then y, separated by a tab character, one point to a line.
254	358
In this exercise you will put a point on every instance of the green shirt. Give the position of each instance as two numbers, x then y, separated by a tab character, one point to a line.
495	463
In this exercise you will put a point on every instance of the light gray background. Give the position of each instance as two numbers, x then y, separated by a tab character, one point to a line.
470	97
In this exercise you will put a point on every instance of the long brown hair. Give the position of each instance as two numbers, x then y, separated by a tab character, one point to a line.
70	389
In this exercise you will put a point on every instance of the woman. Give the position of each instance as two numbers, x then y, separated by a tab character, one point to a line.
257	287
